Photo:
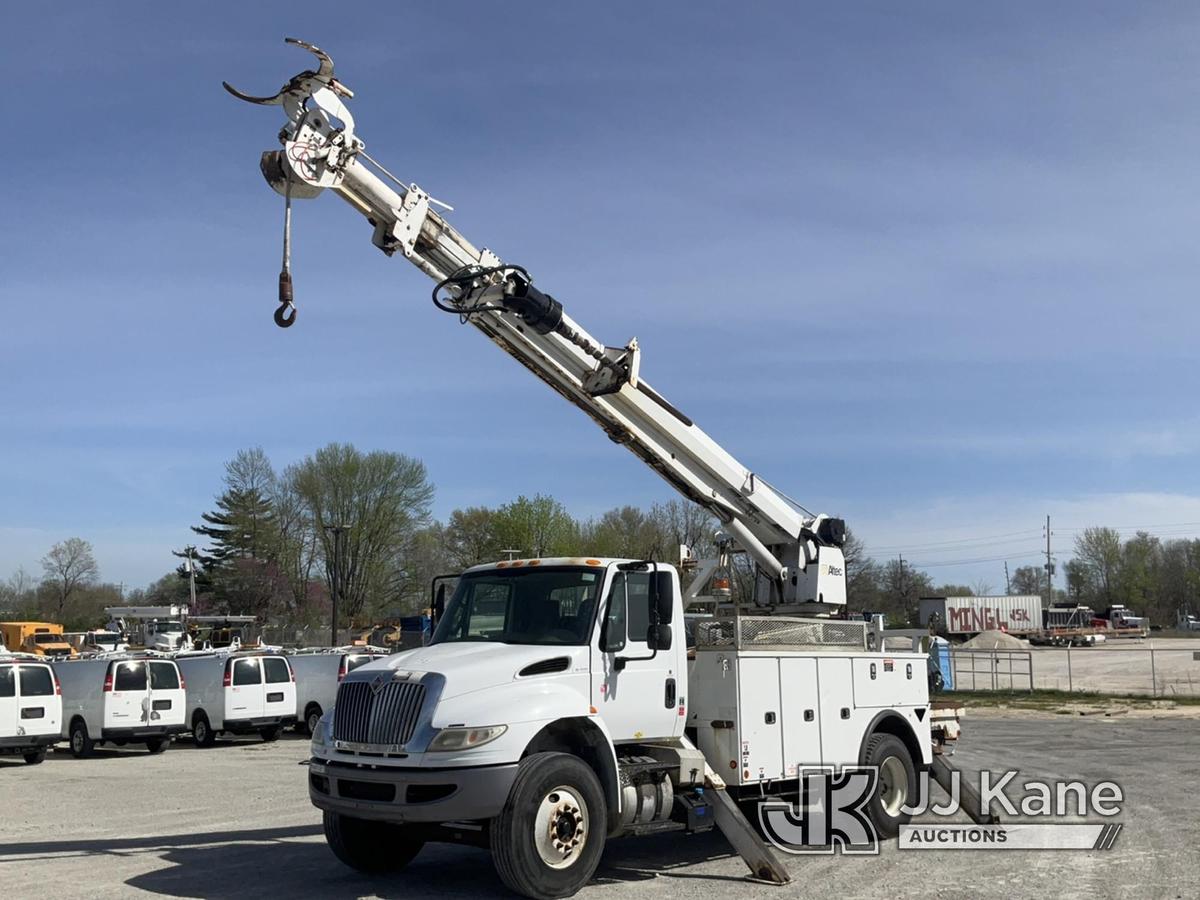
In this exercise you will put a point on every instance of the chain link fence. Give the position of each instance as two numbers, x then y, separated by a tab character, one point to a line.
1165	668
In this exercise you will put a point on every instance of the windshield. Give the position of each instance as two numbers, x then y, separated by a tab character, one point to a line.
168	627
105	639
522	606
49	639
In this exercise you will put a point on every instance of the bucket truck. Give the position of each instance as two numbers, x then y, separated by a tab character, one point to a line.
557	706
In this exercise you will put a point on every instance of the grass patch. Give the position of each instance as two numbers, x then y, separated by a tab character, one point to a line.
1054	700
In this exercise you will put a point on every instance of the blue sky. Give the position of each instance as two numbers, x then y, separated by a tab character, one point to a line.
929	266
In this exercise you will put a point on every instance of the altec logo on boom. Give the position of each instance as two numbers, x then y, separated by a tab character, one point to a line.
832	815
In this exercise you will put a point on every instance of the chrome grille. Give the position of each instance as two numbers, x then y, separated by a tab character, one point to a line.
384	718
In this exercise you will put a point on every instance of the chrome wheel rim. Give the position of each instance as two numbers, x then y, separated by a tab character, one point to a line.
560	827
893	785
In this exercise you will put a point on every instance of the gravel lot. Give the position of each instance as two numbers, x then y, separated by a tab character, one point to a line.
235	821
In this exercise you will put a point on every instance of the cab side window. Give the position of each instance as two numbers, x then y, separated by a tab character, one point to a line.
627	612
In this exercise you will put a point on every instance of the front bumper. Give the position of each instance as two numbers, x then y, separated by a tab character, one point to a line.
398	794
26	742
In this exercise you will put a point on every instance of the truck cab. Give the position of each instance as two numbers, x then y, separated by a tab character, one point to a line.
553	709
38	638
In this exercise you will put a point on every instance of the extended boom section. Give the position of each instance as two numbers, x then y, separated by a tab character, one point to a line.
798	556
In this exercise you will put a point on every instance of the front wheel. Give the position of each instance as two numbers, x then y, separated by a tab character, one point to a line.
33	757
897	783
372	847
548	840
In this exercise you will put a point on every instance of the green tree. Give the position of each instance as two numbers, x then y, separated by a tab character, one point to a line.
380	499
471	537
1098	553
537	527
1027	580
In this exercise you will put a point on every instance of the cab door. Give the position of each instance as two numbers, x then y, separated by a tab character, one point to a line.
635	690
9	717
127	696
167	698
279	696
244	695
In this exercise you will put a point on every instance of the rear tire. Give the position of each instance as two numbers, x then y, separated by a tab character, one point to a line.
34	757
158	745
312	717
81	744
202	732
270	733
898	786
548	840
375	848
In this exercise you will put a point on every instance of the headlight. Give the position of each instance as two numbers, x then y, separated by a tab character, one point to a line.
320	733
465	738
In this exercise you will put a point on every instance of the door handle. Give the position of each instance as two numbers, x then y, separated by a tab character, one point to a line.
670	694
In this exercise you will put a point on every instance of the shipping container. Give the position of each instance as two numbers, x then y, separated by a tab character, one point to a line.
1020	614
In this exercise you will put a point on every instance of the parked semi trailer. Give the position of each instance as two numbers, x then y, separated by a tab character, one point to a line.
965	616
137	699
555	706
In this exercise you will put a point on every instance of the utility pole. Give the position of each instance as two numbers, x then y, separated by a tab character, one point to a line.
903	593
335	585
1049	568
1007	583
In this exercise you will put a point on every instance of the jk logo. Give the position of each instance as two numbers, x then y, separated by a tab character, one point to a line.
831	813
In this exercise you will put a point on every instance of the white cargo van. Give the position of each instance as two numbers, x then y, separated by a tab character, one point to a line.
238	693
30	708
318	674
136	699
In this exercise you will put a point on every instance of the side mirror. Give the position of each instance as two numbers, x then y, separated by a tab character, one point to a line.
664	598
658	637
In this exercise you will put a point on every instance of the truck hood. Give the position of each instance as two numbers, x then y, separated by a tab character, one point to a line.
472	666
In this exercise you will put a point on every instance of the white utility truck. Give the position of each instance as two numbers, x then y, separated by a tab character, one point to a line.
318	674
237	692
556	706
137	699
30	707
150	627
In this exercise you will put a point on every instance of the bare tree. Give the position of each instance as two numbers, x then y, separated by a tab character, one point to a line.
69	566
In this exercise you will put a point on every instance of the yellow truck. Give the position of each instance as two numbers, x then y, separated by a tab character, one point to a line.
40	638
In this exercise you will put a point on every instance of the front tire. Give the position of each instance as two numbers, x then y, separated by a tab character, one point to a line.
548	840
34	757
898	786
81	744
375	848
